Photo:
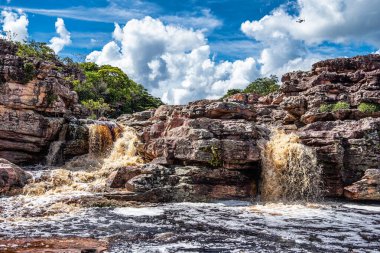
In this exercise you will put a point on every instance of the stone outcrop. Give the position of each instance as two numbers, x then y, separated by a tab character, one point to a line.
368	188
227	134
12	177
156	183
35	102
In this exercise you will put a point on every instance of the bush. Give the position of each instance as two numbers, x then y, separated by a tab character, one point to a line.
29	72
111	86
369	107
341	106
334	107
36	50
232	92
263	86
326	108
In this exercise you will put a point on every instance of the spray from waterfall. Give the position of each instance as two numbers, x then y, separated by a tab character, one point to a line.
289	170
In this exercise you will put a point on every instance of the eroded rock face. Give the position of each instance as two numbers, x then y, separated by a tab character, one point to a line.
11	176
226	134
157	183
216	134
368	188
34	105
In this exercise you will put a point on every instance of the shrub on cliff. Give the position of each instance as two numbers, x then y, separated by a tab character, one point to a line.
369	107
37	50
262	86
110	87
341	105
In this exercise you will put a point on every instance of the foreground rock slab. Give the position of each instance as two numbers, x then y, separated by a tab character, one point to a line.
12	176
56	245
368	188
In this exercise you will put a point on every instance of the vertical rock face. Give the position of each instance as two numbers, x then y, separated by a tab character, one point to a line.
35	98
227	134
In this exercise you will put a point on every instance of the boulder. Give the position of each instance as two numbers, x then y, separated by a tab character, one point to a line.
368	188
11	176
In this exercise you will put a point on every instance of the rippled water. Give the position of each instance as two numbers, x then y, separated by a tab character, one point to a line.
215	227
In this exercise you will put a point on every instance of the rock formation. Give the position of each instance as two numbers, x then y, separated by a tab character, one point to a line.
227	134
35	101
12	177
209	148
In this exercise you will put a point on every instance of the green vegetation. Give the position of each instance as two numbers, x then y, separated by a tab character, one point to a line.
29	72
326	107
369	107
341	105
36	50
216	159
232	92
97	108
108	91
262	86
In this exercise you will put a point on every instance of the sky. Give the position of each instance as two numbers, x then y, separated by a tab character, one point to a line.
187	50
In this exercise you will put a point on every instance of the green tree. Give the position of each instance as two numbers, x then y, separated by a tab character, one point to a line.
263	86
97	108
232	92
112	86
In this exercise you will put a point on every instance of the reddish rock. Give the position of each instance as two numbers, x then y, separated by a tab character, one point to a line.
32	107
368	188
56	245
11	176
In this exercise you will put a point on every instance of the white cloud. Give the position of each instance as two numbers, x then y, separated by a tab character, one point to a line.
174	63
377	52
15	25
64	39
286	41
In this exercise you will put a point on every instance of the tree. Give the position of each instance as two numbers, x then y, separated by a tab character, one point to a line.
110	85
263	86
232	92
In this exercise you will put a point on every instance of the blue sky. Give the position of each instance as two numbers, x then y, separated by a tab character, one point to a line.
194	49
230	13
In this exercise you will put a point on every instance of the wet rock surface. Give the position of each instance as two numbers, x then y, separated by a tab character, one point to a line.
56	245
12	177
156	183
368	188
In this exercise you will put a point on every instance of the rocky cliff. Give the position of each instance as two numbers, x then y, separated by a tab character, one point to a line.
226	135
36	102
206	149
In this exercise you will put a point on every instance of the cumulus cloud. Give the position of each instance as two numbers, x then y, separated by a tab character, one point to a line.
174	63
64	39
287	41
15	25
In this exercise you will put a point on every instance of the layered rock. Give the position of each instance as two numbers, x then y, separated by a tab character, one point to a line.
368	188
12	177
35	101
156	183
226	134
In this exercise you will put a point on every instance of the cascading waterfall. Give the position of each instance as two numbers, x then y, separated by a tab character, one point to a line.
289	170
89	173
102	137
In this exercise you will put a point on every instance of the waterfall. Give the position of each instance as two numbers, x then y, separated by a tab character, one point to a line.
55	155
289	170
89	173
102	137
